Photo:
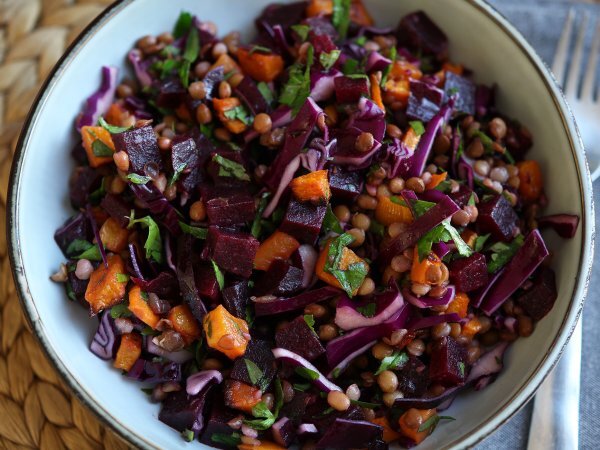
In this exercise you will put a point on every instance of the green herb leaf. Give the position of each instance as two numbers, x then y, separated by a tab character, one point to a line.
166	67
197	232
256	227
307	373
183	24
138	179
219	275
351	67
230	440
239	113
420	207
297	89
120	310
187	435
331	222
377	228
341	17
207	130
78	246
351	278
462	247
112	129
254	372
301	31
91	254
503	253
301	387
153	244
480	242
471	201
259	48
395	361
266	92
190	54
453	91
461	368
149	331
432	422
122	278
327	60
230	168
386	72
367	405
100	149
418	126
361	41
310	321
368	310
177	173
508	156
266	418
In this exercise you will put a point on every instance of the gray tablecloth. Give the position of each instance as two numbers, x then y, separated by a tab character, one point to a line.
541	23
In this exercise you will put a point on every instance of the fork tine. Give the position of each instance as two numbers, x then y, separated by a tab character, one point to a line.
562	50
572	82
589	81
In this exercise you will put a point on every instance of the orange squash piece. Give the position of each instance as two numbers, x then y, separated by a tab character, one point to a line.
376	92
389	434
113	236
225	332
530	178
104	289
411	139
348	258
116	115
91	134
228	64
319	7
436	179
138	305
264	445
222	105
471	328
130	349
414	433
312	187
469	236
458	69
398	82
459	305
359	14
260	66
387	212
241	396
185	323
279	245
419	270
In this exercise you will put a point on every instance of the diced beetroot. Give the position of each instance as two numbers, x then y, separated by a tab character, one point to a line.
462	196
234	210
217	424
77	227
281	279
185	412
298	337
418	31
465	88
259	352
236	298
303	221
314	414
468	274
284	432
344	433
232	251
322	43
350	90
193	151
84	181
413	378
206	281
214	168
116	207
538	300
186	263
248	92
141	146
496	216
345	185
448	362
164	284
296	408
171	93
76	288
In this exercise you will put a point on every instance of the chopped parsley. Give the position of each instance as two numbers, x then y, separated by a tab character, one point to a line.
430	424
230	440
138	179
310	321
120	310
302	31
418	127
178	171
386	72
112	129
239	113
254	372
259	48
153	244
197	232
230	168
480	242
264	417
502	253
122	278
266	92
443	232
297	89
395	361
331	222
328	60
190	54
341	16
307	373
183	24
219	275
100	149
351	278
368	310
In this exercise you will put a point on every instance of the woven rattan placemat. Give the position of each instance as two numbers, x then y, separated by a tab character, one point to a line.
36	408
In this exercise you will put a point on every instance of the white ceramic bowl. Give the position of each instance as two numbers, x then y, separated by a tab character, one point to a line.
479	37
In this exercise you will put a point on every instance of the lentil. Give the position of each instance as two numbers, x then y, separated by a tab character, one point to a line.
396	185
338	400
475	149
441	144
316	310
201	69
328	332
353	392
367	287
219	49
389	398
499	174
364	142
481	167
197	90
393	131
416	347
224	89
121	160
222	134
387	381
400	263
359	237
342	213
381	350
524	325
440	330
198	211
203	114
366	202
420	289
497	128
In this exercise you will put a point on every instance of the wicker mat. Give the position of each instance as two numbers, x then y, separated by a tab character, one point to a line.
36	408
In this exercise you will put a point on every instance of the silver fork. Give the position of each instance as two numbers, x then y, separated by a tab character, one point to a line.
555	419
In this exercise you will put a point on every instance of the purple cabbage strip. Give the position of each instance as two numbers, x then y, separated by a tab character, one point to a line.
298	361
155	372
343	364
135	264
428	402
103	344
489	363
283	305
347	316
198	381
90	215
481	293
369	118
376	61
430	302
98	103
140	68
441	249
159	205
322	85
564	224
394	153
430	321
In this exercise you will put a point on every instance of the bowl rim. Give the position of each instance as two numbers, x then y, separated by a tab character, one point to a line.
509	407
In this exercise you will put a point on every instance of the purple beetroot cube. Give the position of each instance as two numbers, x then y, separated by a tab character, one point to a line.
117	208
448	362
84	181
496	216
418	31
217	425
303	221
345	185
259	352
171	93
538	300
413	378
299	338
141	146
77	227
470	273
462	196
282	279
236	298
225	211
206	282
232	251
284	432
185	412
350	90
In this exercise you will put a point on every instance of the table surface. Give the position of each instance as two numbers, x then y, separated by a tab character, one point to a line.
541	21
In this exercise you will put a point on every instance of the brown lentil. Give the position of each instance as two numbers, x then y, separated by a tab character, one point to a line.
455	330
473	129
203	114
396	185
389	274
353	392
367	287
387	381
473	354
368	379
235	80
438	291
260	171
393	131
440	330
197	90
413	418
121	160
224	89
485	322
362	221
274	138
222	134
117	185
232	41
342	213
396	229
390	398
461	218
164	143
434	274
420	289
201	69
198	211
124	90
316	310
359	237
415	184
288	391
366	202
338	400
364	142
262	123
426	177
475	149
481	167
441	144
381	350
524	325
497	128
145	42
416	347
219	49
269	400
328	332
400	263
499	174
383	191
